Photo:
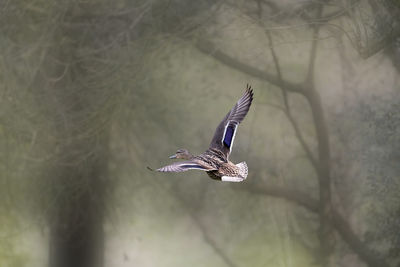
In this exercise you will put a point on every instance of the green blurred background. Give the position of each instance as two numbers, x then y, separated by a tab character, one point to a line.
93	92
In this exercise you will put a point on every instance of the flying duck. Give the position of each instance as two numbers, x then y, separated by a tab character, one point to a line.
215	160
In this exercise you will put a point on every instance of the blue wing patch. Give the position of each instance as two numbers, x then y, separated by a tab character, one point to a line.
229	133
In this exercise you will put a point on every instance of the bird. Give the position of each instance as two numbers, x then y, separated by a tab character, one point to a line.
215	160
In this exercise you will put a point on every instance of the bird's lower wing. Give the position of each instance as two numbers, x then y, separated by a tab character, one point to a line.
182	167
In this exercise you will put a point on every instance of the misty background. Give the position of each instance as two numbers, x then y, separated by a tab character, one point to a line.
94	91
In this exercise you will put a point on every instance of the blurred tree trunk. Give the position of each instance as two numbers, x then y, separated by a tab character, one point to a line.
76	89
78	170
76	233
72	96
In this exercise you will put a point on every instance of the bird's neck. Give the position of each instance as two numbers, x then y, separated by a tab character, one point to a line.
188	156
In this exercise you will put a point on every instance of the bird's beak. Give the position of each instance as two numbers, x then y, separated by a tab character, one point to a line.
173	157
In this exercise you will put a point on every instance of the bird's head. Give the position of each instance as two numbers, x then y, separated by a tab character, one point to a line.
181	154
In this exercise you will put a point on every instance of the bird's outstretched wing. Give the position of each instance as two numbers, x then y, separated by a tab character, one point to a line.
182	166
225	133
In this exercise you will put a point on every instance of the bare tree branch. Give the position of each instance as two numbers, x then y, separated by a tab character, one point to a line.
313	52
292	195
210	49
287	110
325	18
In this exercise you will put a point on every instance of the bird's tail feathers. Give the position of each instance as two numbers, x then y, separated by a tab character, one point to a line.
243	169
